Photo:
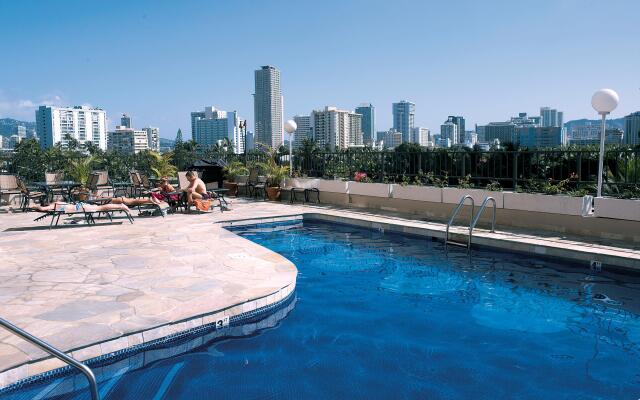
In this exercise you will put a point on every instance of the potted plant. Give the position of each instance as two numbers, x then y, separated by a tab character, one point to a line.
79	170
275	175
232	171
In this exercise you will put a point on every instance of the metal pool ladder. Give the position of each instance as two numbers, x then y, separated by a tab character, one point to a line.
474	219
93	385
452	217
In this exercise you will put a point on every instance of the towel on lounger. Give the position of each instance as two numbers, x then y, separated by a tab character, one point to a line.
202	205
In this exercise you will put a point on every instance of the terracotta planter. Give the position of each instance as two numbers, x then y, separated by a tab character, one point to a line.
233	188
273	193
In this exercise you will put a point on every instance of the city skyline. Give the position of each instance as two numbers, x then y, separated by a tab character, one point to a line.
490	85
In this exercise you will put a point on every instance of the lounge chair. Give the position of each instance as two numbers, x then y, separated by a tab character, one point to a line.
88	216
29	194
104	183
9	187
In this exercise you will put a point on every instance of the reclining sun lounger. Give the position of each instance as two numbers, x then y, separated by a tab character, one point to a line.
80	210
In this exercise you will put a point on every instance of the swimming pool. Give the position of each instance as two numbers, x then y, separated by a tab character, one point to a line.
385	315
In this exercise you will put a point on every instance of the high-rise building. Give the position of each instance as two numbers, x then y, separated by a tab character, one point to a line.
632	129
84	124
125	121
404	114
539	136
213	126
195	116
267	107
336	129
470	138
21	131
303	130
421	136
368	123
551	117
449	130
250	141
505	132
459	122
153	138
392	138
128	140
589	134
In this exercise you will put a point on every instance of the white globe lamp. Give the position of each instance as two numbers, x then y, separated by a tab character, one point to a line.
290	127
603	101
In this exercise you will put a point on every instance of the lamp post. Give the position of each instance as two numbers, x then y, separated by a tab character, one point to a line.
603	101
290	127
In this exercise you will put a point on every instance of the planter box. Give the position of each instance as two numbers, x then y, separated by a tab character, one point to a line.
565	205
369	189
325	185
617	208
453	196
305	183
418	193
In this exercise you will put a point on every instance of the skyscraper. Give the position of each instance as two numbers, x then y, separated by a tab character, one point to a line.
336	129
459	122
368	123
84	124
632	129
551	117
421	136
449	131
125	121
213	125
267	107
303	131
153	138
404	114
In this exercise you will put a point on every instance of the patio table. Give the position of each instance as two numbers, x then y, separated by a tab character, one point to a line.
68	186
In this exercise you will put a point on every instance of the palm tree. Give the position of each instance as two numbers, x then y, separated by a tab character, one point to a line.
161	164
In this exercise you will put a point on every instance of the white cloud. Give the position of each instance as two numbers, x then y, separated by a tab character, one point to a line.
24	109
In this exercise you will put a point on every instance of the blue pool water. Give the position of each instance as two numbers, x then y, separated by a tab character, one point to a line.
388	316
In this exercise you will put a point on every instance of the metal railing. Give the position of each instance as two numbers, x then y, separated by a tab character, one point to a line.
453	216
513	170
479	213
93	385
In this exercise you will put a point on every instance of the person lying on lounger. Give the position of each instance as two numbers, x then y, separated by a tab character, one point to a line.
80	207
144	201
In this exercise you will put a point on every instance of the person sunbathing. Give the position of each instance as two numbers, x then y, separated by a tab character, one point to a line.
79	207
166	192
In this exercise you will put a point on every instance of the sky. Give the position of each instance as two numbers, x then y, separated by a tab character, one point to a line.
159	60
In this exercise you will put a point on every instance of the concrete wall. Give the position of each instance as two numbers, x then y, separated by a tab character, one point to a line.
559	214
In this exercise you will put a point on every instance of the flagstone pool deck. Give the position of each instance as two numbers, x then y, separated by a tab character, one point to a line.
94	290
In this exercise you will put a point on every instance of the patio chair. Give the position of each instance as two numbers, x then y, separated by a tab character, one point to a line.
136	184
9	187
259	187
103	183
52	179
247	181
29	194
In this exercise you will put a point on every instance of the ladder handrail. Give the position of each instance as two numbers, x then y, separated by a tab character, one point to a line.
455	212
93	385
480	210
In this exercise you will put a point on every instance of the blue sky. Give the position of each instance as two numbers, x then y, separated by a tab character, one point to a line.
159	60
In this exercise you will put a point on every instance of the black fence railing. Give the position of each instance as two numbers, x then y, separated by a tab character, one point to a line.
539	170
514	170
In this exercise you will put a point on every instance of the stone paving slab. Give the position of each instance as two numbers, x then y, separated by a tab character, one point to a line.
94	290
